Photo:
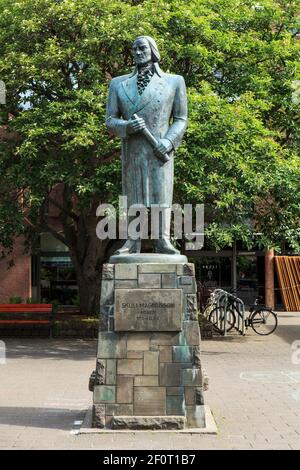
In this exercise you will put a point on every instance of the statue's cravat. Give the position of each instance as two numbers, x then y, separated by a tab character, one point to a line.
143	79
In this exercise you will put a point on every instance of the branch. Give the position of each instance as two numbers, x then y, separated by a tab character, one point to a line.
45	226
69	230
55	233
63	209
279	30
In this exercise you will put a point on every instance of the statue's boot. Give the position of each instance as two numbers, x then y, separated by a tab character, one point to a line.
163	244
130	246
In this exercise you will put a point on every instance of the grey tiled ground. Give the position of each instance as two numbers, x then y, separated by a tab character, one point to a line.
254	395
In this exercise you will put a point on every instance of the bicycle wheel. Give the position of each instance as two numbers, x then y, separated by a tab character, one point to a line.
264	322
216	317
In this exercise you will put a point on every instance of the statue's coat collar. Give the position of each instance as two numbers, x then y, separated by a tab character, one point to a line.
157	70
138	102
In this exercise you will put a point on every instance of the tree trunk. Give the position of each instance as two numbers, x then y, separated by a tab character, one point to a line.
88	273
88	253
89	294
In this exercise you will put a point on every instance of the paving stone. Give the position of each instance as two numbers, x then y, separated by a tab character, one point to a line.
149	401
111	365
151	362
130	367
149	281
145	381
111	345
124	389
104	394
175	405
64	365
125	271
148	268
138	342
168	281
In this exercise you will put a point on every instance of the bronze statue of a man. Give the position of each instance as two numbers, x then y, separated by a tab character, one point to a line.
148	110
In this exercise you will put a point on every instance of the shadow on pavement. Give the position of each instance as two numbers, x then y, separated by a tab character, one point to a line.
288	333
64	349
51	418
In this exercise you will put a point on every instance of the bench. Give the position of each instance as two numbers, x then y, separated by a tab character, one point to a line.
13	316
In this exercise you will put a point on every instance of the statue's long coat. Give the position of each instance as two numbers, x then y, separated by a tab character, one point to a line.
163	106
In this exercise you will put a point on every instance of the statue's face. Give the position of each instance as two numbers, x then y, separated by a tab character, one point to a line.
141	52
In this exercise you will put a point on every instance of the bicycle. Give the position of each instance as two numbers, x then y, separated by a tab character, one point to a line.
222	310
261	319
225	310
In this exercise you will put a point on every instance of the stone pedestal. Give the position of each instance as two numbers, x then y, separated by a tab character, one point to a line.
148	372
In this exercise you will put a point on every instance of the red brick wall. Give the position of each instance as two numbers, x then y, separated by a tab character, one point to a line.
16	281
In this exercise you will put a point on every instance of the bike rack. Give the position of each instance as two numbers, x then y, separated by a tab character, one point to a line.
220	299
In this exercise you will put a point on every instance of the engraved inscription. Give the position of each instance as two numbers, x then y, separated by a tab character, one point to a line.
148	309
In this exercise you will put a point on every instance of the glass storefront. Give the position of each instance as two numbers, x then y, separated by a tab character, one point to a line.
247	278
58	280
53	273
215	271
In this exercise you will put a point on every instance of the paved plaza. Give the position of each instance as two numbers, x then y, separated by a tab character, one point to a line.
254	395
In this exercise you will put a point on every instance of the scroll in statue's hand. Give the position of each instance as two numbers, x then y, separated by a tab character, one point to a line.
135	125
163	146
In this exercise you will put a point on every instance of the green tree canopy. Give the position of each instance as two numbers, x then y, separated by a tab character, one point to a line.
240	156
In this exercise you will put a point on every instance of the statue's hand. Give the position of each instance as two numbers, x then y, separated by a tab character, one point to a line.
163	146
135	125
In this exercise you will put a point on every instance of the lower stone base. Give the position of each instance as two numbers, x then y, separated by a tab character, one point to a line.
209	426
148	422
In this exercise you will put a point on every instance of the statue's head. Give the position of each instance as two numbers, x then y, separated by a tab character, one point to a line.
144	50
